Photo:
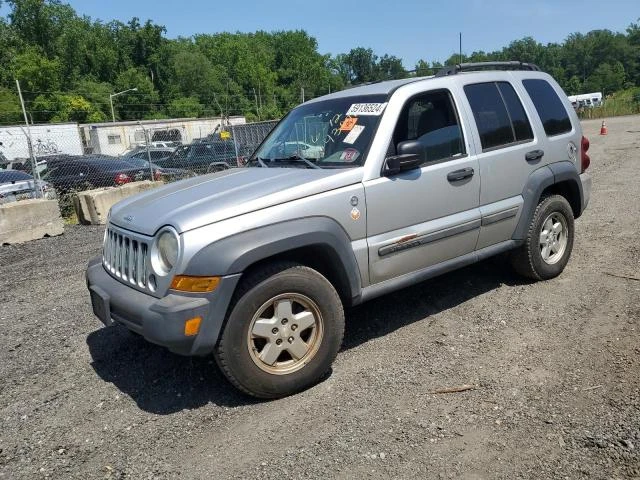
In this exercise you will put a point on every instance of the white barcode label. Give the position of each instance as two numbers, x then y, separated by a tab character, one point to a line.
364	109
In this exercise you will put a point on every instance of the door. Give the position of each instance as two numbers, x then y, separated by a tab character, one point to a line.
508	152
421	217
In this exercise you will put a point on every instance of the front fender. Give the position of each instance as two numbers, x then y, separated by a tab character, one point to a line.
236	253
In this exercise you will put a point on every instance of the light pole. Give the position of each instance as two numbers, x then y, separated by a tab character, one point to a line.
113	115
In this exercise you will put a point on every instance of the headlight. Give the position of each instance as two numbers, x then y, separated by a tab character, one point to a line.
164	255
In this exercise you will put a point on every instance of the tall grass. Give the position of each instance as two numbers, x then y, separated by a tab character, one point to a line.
624	102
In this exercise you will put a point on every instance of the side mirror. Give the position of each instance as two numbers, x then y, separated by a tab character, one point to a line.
401	163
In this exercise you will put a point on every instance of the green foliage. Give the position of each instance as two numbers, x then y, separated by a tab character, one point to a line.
10	111
58	107
68	66
185	107
623	102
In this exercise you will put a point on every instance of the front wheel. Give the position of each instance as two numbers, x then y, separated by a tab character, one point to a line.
549	241
283	333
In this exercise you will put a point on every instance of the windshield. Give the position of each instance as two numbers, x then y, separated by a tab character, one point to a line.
333	133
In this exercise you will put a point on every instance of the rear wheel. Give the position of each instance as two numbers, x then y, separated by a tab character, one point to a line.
549	241
283	333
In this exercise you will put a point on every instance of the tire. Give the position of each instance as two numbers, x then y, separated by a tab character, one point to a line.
284	330
549	241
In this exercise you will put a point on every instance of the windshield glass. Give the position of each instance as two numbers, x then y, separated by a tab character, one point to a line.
333	133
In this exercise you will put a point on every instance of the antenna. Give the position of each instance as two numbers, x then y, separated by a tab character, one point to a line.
460	48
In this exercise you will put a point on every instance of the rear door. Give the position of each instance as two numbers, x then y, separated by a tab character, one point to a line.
508	151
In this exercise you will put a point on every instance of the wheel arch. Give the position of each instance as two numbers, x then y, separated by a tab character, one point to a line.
316	242
557	178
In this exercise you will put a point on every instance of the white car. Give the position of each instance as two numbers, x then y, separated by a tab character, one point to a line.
303	149
16	185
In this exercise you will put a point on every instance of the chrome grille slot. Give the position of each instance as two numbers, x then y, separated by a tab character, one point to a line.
125	257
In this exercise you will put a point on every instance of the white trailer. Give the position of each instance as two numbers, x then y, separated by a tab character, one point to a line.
46	140
586	100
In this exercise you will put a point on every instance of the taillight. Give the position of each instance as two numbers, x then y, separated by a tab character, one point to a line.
122	178
585	161
157	175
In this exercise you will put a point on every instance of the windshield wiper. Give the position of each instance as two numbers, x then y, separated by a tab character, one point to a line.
296	158
259	161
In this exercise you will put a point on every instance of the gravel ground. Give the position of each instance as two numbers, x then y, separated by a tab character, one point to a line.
555	368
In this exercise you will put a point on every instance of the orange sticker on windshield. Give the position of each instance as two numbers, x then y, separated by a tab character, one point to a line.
348	124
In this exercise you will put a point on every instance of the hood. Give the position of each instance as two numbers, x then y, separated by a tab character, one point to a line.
199	201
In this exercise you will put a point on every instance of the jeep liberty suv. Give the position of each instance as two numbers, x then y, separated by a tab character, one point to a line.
408	179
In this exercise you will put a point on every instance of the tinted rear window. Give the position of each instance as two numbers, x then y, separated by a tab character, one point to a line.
490	114
550	108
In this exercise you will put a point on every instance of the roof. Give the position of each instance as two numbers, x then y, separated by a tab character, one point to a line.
377	88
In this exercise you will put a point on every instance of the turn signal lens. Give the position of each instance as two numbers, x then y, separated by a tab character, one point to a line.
192	326
194	284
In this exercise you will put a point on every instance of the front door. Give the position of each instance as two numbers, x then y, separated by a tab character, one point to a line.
421	217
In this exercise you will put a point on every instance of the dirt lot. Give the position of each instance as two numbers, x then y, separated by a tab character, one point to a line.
555	365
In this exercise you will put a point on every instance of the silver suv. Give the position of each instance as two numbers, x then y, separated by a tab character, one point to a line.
405	180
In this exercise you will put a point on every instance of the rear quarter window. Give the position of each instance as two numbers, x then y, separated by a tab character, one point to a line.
550	108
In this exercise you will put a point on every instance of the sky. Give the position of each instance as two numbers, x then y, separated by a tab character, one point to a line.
408	29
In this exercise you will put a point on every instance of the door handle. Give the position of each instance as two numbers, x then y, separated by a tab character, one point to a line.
534	155
458	175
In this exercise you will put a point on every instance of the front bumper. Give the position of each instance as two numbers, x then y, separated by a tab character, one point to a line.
160	320
585	179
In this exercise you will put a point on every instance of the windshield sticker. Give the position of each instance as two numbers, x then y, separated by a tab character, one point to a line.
354	134
350	155
373	109
348	124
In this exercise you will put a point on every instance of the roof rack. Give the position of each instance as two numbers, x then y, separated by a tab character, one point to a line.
469	67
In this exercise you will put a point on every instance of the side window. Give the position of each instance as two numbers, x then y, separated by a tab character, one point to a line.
554	116
429	126
521	126
499	114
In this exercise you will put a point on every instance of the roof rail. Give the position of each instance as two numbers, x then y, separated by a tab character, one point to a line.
469	67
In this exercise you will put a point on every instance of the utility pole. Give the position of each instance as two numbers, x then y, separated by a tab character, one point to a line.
302	93
256	98
37	187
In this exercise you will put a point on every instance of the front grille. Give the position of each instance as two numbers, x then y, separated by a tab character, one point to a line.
125	257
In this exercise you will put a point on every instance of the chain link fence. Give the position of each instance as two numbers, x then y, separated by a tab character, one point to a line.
57	161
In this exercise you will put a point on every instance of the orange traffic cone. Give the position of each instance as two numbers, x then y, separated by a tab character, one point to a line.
603	128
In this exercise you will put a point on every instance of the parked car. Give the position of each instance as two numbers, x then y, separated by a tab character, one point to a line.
155	154
202	157
91	171
17	185
160	173
418	177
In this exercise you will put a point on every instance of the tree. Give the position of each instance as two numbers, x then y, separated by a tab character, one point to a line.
606	78
185	107
389	67
37	74
135	105
10	110
58	107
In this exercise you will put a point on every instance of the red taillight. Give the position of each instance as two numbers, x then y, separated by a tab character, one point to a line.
157	175
585	161
122	178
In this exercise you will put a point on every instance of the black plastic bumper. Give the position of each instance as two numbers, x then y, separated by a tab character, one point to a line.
160	320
